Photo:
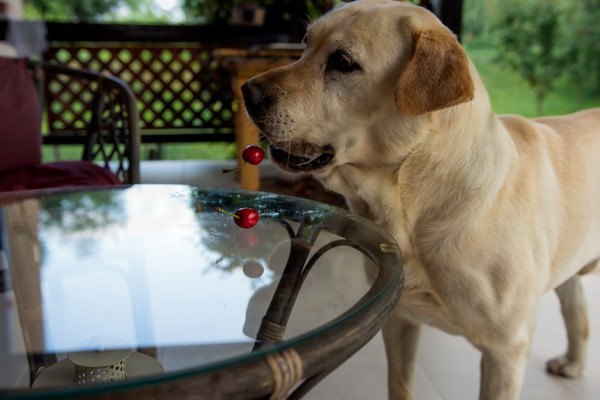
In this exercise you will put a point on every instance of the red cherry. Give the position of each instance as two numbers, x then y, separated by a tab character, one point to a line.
246	239
253	269
243	217
253	154
246	217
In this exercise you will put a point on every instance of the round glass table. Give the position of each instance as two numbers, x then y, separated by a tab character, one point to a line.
148	291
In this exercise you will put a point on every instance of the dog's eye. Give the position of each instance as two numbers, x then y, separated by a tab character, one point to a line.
342	62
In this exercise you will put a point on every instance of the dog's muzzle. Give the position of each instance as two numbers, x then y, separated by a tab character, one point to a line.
294	157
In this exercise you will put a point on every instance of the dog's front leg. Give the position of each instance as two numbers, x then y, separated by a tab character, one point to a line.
503	369
401	339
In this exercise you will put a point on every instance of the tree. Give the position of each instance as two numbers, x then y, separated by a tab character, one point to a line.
475	18
219	11
529	40
208	11
584	42
81	10
92	10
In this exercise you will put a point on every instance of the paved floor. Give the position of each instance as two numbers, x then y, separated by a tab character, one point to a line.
448	367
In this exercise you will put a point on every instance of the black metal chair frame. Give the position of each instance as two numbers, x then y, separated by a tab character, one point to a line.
112	137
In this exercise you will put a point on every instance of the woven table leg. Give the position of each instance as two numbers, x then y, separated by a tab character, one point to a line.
287	371
270	332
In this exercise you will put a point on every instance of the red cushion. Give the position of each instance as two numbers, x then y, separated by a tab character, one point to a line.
20	139
57	174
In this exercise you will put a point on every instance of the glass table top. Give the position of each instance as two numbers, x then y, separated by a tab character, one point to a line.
153	277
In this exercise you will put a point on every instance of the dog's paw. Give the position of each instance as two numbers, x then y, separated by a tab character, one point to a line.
564	367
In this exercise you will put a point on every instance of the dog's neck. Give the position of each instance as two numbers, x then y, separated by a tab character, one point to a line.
459	151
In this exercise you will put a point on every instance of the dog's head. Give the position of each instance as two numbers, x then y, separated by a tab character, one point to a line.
371	70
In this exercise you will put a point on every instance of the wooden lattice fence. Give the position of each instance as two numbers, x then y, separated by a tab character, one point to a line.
183	93
178	87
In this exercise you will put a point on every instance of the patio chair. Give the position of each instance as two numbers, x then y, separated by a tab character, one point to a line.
110	141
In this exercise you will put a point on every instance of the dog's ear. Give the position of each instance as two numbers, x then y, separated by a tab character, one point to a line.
435	77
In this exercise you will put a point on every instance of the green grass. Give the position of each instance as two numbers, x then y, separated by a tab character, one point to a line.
176	151
510	94
194	151
61	153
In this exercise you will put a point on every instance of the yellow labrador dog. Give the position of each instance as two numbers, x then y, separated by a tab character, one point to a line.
490	211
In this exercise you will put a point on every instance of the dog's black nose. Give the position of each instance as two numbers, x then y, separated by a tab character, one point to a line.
255	99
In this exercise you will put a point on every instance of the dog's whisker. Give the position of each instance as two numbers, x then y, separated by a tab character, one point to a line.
289	150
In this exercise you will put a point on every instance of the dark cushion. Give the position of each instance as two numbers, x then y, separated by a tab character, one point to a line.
57	174
20	139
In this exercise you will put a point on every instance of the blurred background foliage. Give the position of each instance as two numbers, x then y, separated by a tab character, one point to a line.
152	11
536	57
96	11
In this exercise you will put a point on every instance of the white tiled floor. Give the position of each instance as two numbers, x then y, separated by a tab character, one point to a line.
448	367
202	173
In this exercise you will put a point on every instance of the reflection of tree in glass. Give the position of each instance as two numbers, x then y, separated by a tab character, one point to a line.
223	237
271	207
80	215
273	228
234	246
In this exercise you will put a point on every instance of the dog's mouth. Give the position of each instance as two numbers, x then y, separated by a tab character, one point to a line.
302	157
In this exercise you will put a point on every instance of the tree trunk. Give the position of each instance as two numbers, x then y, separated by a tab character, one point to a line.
539	102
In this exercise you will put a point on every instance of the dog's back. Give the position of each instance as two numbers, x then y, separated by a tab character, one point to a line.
567	149
586	119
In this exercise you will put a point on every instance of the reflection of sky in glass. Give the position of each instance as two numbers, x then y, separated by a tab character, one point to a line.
156	266
158	283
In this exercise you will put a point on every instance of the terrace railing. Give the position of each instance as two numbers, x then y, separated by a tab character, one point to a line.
183	92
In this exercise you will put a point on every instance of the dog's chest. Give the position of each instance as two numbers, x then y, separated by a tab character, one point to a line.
380	201
421	302
434	271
